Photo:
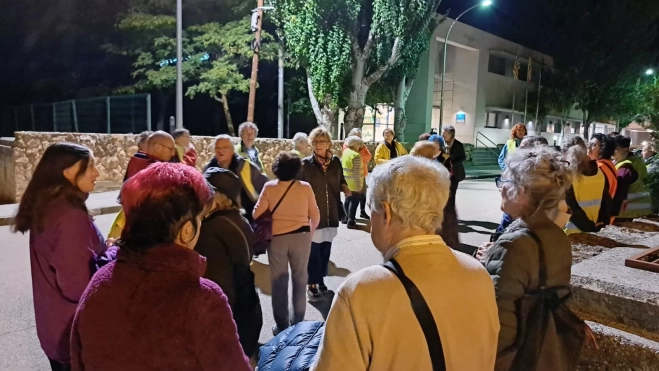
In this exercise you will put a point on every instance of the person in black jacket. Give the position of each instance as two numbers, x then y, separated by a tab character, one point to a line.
226	240
324	172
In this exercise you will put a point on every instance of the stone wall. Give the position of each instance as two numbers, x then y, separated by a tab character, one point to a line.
112	152
7	178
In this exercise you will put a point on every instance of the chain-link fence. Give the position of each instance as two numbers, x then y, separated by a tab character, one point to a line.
116	114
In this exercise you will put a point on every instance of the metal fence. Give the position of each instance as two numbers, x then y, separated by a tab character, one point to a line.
116	114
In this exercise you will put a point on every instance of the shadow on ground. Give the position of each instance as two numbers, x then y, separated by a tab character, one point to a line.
466	226
324	305
262	275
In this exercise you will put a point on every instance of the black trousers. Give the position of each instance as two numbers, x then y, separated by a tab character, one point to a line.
362	203
56	366
353	203
449	231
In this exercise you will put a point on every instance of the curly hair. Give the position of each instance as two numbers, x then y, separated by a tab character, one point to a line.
48	185
286	166
158	201
517	126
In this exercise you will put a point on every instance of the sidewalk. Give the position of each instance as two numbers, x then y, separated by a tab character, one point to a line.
97	203
482	172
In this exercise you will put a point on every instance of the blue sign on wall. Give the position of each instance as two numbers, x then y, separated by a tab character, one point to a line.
460	117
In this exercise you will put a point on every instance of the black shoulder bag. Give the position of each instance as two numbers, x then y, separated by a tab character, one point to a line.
423	315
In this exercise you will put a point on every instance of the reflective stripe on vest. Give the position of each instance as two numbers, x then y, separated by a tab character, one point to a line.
609	171
246	179
588	191
512	145
347	163
639	201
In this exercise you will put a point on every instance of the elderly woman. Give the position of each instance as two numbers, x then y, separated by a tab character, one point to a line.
248	131
389	148
226	240
533	184
294	219
371	325
366	158
301	145
152	304
324	172
352	171
517	133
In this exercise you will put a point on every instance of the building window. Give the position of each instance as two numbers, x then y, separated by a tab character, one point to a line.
376	120
491	120
497	65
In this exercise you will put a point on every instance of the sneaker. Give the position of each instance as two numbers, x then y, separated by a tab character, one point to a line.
364	216
313	293
322	288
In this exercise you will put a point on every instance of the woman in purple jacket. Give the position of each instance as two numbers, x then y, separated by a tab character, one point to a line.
66	248
151	309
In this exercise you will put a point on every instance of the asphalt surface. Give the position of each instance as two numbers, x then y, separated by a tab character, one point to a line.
478	210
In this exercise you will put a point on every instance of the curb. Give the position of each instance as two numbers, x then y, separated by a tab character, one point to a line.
5	221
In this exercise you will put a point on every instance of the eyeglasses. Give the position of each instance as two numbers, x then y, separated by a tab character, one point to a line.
319	142
501	181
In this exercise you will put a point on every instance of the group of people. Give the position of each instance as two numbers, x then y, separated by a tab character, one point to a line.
174	288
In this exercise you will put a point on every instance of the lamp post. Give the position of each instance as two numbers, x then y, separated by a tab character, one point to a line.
179	64
649	72
485	3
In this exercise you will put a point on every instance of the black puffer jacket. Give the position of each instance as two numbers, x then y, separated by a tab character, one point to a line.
327	187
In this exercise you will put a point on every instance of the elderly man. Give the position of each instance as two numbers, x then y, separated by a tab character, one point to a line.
371	325
632	199
301	145
649	155
248	132
250	175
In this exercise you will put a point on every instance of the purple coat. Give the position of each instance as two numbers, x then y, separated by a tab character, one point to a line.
63	259
153	311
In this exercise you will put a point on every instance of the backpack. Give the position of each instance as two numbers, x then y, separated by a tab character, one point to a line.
549	335
262	226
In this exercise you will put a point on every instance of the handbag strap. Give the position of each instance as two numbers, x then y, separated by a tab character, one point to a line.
423	315
542	274
282	197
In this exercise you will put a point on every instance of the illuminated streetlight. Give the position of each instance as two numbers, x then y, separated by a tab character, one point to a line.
649	72
484	3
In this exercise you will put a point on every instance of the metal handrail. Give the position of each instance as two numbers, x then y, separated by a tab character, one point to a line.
488	139
488	148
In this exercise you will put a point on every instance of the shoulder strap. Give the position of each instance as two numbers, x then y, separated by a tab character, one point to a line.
282	197
542	274
423	315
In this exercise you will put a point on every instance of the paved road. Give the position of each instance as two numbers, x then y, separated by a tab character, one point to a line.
478	208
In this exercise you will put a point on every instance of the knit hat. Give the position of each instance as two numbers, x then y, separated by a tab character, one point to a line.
225	182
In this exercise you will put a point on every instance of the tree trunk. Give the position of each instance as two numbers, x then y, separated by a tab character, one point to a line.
586	124
224	99
400	103
325	116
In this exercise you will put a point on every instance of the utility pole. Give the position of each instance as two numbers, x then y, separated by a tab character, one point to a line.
179	64
280	94
257	23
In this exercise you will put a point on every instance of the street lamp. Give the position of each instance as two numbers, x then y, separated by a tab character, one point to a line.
649	72
179	64
484	3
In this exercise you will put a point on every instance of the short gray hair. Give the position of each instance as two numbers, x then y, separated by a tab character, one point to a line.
247	125
354	142
416	189
542	173
355	131
223	136
449	128
300	138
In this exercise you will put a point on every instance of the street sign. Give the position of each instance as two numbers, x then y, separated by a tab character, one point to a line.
460	117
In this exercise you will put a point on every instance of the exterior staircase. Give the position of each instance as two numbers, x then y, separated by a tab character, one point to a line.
483	156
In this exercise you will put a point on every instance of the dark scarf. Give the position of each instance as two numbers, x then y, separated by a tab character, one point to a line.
393	152
324	162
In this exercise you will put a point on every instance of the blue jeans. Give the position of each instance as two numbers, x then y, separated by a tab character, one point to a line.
319	262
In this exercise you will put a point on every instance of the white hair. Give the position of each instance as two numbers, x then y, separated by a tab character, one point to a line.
300	138
221	137
542	173
247	125
415	188
355	131
354	142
